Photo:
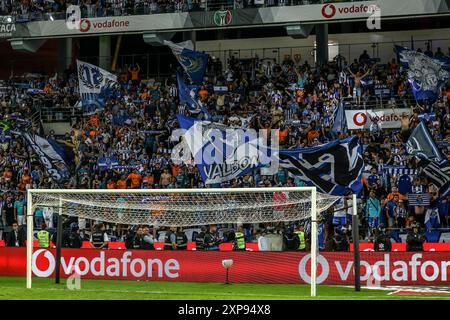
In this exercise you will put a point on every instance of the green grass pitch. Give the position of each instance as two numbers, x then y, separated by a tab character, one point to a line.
43	288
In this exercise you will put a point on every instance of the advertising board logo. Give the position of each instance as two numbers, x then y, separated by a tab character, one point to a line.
7	26
360	119
85	25
373	10
321	261
329	10
44	264
222	18
38	261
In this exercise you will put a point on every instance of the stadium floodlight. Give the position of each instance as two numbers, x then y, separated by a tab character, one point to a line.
184	207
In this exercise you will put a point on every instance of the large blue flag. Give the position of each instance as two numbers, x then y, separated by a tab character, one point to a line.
95	85
220	152
188	95
193	62
422	145
334	168
50	154
340	123
426	75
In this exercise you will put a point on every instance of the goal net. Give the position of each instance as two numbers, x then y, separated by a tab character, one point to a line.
185	207
180	207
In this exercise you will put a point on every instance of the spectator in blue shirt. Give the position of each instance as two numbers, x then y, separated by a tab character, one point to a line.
372	179
39	217
373	211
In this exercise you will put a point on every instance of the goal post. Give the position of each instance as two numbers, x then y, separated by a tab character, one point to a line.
184	207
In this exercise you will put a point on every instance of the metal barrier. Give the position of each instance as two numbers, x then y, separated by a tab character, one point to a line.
54	114
377	102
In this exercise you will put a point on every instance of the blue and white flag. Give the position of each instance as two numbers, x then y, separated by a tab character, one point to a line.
422	145
193	62
188	95
95	85
427	116
108	162
51	155
438	174
432	219
418	199
399	170
34	91
220	152
334	168
340	122
426	75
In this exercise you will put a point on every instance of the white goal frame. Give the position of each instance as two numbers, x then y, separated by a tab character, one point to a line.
30	214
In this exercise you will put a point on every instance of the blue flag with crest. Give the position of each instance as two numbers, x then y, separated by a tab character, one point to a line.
426	75
334	168
188	95
95	86
222	153
193	62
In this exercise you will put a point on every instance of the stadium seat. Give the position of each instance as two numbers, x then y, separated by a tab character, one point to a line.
226	246
86	245
2	243
442	246
192	246
158	245
398	246
251	246
116	245
363	246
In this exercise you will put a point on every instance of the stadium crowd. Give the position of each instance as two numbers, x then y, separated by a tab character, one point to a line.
293	96
26	10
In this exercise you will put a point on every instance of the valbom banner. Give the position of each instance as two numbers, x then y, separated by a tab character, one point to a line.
395	268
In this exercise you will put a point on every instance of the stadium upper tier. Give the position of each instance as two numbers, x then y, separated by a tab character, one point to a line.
169	16
55	10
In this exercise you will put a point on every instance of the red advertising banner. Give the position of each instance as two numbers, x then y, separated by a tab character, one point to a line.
395	268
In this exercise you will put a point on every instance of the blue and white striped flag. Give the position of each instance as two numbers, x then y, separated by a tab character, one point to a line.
419	199
95	85
422	145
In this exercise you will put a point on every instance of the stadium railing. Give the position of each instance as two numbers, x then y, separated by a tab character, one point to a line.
380	102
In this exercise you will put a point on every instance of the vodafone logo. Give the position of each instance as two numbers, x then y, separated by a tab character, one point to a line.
44	264
321	261
99	25
360	119
46	259
399	271
85	25
328	11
